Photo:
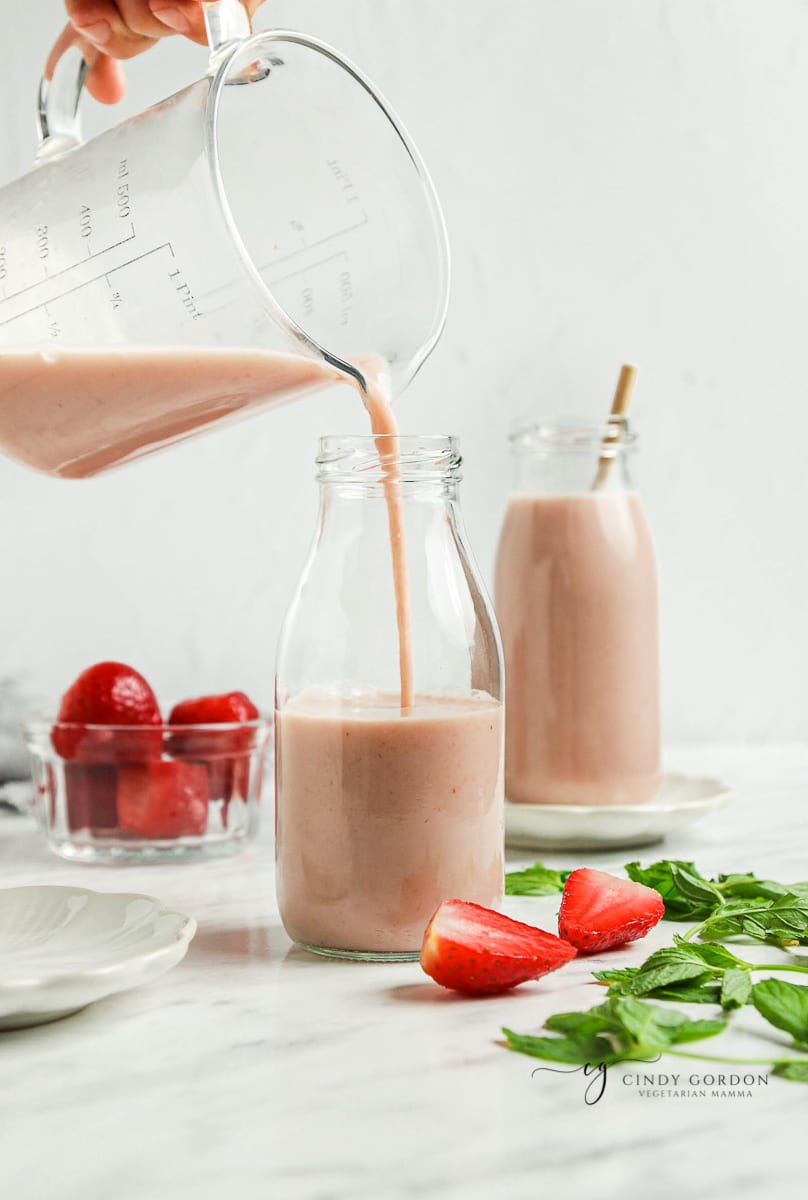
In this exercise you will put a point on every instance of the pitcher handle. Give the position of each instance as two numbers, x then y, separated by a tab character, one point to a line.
60	89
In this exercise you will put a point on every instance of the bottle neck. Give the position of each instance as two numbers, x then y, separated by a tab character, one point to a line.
572	459
375	468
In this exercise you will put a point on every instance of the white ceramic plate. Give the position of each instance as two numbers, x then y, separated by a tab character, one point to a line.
680	800
62	948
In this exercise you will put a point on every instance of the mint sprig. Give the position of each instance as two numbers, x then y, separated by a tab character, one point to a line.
782	921
625	1028
691	973
537	880
620	1028
734	905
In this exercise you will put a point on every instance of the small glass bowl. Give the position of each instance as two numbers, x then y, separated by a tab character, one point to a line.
147	793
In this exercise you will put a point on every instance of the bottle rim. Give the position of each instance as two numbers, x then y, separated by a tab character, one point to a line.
609	439
369	458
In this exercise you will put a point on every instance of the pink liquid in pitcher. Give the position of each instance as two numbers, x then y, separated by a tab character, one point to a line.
77	412
576	599
384	814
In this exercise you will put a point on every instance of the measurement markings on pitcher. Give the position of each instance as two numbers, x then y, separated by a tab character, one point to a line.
64	292
313	245
43	243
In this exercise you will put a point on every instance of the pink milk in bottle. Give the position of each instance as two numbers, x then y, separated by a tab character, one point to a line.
576	600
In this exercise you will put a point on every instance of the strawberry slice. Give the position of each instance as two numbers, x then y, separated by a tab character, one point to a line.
109	693
163	799
474	949
225	753
599	911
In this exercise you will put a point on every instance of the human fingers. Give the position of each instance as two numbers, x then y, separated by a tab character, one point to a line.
105	82
102	23
180	16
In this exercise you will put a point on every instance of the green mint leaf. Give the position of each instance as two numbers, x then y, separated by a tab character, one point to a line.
710	954
685	993
537	880
654	1027
792	909
784	1005
623	1027
587	1024
736	988
672	964
780	922
658	875
577	1051
792	1068
694	887
746	885
616	974
692	991
669	877
695	1031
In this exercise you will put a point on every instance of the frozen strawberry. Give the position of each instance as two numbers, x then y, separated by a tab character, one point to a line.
163	799
599	911
229	708
108	693
90	791
474	949
224	752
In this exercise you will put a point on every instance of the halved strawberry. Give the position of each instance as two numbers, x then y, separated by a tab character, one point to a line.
163	799
474	949
599	911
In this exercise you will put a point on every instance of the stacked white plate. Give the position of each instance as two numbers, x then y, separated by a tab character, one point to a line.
680	800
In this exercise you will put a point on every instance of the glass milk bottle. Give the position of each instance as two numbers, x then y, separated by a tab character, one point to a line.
576	599
384	811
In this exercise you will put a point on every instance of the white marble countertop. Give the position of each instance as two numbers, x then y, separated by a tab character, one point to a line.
254	1069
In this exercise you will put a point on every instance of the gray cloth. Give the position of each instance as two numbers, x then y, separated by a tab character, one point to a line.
15	705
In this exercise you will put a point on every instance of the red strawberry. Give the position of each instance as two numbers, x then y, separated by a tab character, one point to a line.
225	752
109	693
229	708
90	796
475	949
599	911
163	799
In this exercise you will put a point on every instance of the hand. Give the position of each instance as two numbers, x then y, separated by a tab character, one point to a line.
109	30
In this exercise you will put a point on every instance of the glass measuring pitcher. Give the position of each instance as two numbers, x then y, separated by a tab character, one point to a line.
268	229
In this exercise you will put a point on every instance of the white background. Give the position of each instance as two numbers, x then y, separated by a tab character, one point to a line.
622	179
